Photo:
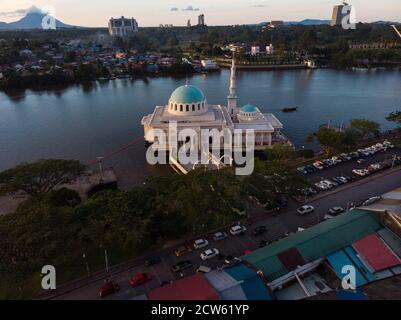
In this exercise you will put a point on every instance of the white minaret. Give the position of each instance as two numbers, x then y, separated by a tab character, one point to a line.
232	98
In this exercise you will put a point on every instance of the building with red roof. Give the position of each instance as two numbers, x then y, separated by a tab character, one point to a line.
194	287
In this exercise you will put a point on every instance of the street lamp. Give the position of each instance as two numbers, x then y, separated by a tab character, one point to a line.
86	264
99	161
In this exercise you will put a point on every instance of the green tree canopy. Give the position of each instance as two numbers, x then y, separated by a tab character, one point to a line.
365	128
38	178
394	117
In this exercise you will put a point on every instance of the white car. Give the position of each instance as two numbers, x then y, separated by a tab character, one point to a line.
305	209
318	166
238	229
321	186
371	200
218	236
361	172
209	254
200	243
336	210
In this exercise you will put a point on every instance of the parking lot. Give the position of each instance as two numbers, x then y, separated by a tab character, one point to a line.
390	157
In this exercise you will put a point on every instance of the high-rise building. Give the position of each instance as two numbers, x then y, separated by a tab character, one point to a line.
201	20
122	27
338	16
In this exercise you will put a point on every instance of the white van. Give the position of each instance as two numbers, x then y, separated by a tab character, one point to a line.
203	269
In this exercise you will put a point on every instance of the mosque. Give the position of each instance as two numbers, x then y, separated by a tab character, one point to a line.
189	107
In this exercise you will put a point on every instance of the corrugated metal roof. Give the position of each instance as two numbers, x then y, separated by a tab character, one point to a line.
252	285
338	260
376	253
220	280
392	240
255	289
315	242
233	293
291	259
194	287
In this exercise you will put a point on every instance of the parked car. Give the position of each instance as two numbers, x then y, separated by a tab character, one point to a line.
150	261
140	279
305	209
259	230
360	172
318	166
231	260
108	288
336	210
181	266
180	251
200	243
218	236
209	254
203	269
371	200
302	170
237	230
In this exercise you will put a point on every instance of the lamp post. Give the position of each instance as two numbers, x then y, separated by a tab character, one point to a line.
99	161
86	264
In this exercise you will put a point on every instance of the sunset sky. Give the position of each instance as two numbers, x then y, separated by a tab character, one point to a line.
93	13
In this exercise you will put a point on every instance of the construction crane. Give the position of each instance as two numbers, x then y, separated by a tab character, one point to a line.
396	30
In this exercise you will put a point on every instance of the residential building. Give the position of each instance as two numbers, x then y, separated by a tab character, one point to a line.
201	20
122	27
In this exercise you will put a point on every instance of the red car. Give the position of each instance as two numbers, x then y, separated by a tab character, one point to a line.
108	288
141	279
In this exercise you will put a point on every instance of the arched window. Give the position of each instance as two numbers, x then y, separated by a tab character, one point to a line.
187	108
193	107
181	107
175	107
199	106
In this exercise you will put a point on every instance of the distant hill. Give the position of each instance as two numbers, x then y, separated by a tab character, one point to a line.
385	22
33	20
308	22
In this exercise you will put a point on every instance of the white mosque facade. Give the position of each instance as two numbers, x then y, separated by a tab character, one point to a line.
189	108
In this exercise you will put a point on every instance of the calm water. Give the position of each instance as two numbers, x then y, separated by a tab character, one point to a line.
83	122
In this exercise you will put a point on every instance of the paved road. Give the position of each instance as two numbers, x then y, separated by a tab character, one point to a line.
285	221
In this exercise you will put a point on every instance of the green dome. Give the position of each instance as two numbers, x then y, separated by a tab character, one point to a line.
187	94
249	109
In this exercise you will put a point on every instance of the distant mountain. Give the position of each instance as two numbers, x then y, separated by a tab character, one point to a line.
385	22
33	20
307	22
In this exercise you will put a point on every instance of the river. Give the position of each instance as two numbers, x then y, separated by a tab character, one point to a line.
86	121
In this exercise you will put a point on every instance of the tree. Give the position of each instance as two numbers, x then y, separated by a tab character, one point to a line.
280	152
395	117
39	178
333	139
365	128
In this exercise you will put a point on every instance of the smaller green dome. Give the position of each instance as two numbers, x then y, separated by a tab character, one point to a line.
249	109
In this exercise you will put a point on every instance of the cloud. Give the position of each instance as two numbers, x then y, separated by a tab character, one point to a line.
20	12
174	9
190	8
